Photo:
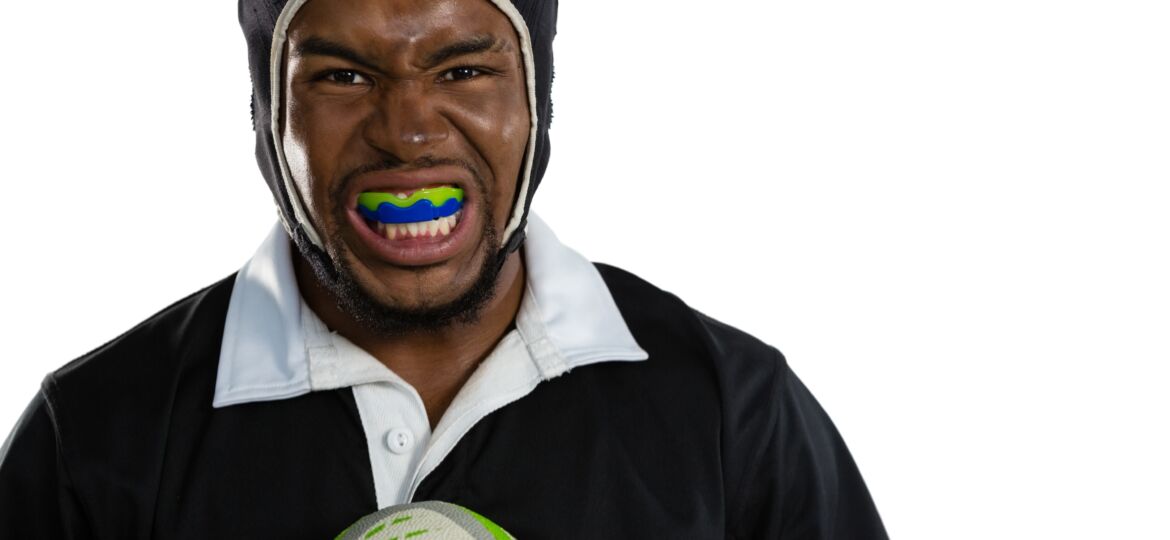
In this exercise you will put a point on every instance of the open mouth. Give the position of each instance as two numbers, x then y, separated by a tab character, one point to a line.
427	213
414	217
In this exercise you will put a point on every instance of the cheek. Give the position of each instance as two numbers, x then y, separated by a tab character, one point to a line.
515	131
314	138
507	119
498	128
513	138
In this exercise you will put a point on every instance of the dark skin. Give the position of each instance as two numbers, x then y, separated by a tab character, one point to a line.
377	81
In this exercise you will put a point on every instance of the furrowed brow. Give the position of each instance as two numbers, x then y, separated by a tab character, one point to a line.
472	45
324	47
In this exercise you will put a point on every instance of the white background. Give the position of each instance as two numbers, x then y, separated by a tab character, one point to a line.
951	216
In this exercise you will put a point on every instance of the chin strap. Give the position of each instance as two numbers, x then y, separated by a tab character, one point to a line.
516	240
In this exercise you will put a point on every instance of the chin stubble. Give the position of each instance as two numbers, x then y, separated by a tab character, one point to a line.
391	320
336	274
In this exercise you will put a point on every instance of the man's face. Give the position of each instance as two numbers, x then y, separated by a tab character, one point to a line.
393	96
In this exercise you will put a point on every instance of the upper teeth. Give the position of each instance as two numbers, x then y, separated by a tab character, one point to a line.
434	227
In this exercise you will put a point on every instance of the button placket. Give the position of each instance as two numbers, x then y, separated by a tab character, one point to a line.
396	432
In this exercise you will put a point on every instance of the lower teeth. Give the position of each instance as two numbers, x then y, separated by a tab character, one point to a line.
419	229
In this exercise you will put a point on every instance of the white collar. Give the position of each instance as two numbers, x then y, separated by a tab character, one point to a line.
567	319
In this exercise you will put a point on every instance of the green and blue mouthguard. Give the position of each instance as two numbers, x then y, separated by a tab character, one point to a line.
422	205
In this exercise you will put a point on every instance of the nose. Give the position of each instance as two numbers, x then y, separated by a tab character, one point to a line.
405	122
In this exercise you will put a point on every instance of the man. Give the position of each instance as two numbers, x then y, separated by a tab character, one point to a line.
359	360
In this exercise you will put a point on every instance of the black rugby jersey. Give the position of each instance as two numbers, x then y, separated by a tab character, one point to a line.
711	437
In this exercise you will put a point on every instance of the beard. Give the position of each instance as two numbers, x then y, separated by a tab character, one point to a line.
336	274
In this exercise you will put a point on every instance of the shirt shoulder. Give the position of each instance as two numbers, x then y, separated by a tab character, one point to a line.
113	407
785	469
653	313
143	357
741	376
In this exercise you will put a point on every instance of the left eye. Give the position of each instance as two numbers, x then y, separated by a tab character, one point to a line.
346	77
462	73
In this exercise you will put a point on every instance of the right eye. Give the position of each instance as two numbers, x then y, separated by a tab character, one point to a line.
346	77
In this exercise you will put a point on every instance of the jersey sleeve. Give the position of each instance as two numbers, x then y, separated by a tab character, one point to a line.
36	499
805	483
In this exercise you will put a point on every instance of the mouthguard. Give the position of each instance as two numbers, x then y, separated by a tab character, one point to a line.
422	205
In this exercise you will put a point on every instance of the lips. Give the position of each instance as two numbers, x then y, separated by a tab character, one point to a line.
414	243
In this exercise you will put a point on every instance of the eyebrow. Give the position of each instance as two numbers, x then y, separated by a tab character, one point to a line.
324	47
472	45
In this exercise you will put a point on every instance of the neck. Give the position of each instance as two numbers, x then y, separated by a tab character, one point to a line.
436	362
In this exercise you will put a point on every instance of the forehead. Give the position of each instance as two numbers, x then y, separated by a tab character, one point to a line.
399	22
